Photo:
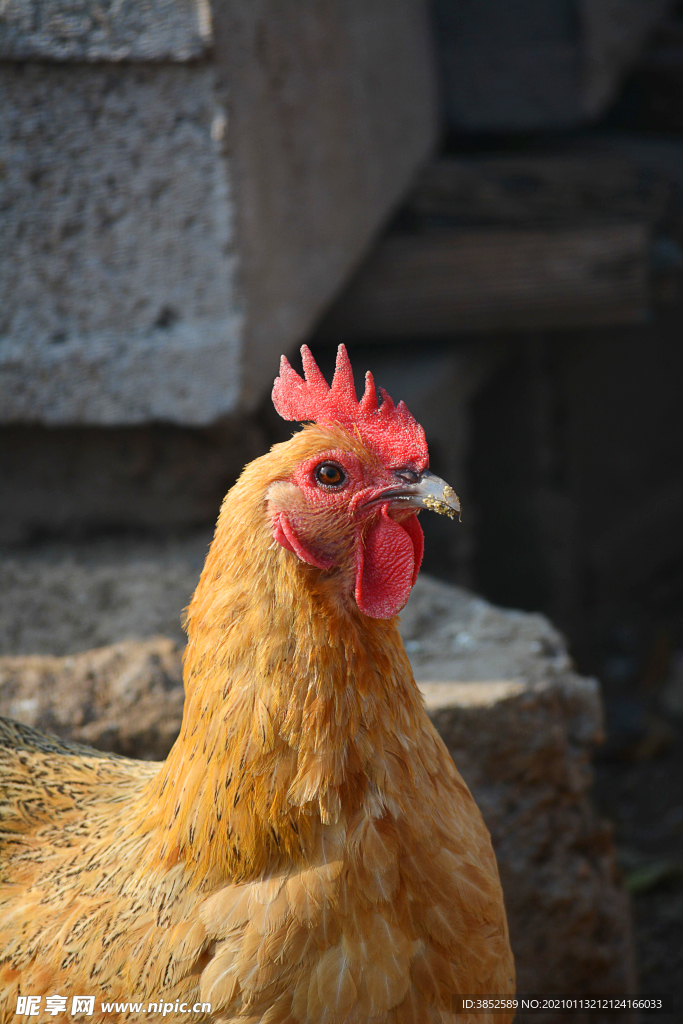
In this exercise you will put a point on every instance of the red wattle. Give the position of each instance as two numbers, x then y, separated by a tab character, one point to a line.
387	563
414	531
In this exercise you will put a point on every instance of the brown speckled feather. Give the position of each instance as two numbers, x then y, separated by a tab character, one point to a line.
308	852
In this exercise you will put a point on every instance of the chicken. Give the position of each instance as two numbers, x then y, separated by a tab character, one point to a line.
308	853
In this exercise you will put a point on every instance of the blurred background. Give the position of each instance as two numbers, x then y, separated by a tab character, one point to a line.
482	200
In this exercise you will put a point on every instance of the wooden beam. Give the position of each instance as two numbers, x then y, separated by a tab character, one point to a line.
447	280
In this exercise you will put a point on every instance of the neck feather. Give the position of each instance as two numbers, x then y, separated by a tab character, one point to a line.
295	706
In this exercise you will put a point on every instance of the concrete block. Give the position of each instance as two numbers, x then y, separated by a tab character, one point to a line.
170	228
109	30
63	599
499	686
108	698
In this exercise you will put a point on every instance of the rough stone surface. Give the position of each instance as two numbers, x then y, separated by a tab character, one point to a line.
117	276
331	114
109	30
169	229
63	599
114	202
499	685
127	698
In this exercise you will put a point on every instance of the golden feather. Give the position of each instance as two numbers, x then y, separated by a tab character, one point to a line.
307	853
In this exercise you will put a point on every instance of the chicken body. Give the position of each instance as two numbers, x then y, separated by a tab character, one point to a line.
307	854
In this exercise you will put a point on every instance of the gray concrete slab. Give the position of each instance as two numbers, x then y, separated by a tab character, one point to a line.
170	226
109	30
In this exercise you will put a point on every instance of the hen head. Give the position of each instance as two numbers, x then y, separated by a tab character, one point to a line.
348	504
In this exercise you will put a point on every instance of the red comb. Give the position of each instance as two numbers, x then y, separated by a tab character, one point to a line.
387	428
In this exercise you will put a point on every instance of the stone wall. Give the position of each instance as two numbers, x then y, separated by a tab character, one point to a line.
183	189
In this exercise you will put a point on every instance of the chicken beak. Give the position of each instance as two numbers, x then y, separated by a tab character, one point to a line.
429	491
432	492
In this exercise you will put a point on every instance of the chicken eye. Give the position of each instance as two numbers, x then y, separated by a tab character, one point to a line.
329	474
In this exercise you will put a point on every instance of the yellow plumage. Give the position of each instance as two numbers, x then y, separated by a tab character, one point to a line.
307	852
